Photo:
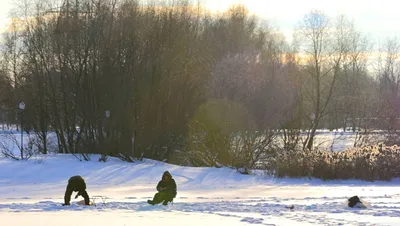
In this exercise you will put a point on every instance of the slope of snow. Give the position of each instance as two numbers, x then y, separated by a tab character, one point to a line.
31	193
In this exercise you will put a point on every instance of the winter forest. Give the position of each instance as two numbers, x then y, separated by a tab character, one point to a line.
174	82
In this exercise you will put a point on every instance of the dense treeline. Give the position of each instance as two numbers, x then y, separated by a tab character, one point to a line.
175	82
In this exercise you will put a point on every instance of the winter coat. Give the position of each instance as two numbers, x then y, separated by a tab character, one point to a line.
167	186
76	183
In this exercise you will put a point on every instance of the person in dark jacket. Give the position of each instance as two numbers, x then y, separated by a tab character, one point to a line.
166	190
77	184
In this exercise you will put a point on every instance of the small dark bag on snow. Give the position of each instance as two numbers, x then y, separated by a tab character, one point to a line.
353	201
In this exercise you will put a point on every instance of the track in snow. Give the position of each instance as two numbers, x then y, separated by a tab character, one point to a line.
255	210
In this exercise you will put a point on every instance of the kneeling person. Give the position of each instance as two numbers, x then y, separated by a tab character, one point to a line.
166	190
77	184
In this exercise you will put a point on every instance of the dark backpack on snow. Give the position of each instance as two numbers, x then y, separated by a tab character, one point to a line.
353	201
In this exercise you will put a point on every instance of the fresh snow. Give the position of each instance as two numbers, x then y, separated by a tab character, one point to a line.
31	193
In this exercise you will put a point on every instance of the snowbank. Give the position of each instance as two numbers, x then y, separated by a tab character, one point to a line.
214	196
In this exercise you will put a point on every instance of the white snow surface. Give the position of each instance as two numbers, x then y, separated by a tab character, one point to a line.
31	193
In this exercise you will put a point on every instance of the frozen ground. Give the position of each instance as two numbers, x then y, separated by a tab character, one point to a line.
31	193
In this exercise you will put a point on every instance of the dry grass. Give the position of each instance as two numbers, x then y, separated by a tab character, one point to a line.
368	163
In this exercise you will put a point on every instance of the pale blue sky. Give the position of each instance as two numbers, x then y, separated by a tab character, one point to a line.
376	18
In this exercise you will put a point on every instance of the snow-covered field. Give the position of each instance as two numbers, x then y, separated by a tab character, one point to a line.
31	193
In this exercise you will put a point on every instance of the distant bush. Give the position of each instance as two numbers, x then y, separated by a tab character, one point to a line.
368	163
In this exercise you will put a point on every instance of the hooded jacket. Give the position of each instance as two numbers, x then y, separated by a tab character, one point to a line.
167	186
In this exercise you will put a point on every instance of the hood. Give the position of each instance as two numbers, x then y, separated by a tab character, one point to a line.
166	173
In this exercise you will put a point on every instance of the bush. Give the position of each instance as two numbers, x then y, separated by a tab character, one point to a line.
213	131
368	163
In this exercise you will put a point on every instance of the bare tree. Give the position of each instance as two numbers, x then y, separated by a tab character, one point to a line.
388	74
324	47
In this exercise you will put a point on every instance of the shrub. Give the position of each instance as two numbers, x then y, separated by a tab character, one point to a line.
368	163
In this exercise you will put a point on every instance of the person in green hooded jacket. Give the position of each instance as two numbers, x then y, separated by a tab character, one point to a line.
77	184
166	190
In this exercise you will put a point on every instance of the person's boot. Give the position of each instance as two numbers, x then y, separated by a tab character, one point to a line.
165	202
150	202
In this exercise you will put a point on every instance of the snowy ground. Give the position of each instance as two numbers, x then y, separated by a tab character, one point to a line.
31	193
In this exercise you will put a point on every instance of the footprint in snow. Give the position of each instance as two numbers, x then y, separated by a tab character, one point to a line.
130	198
252	220
147	207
